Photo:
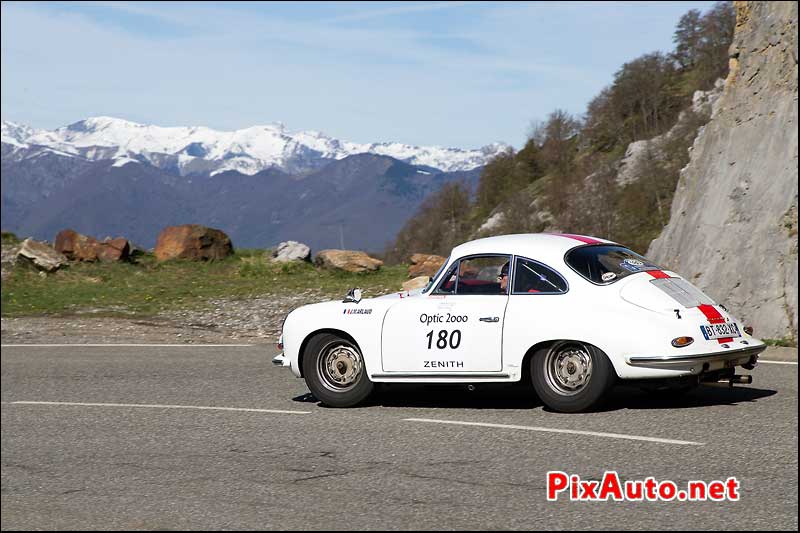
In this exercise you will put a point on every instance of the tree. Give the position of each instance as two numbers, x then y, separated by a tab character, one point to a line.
701	46
556	139
717	34
687	37
440	223
643	99
495	182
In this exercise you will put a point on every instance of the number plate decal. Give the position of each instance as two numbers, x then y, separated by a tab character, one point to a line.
720	331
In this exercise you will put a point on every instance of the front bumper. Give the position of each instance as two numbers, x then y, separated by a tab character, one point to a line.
734	357
280	360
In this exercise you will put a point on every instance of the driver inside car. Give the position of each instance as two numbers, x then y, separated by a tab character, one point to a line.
503	279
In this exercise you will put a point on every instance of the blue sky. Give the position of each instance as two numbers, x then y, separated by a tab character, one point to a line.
458	74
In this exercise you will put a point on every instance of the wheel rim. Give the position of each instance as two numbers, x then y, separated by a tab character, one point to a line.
568	368
339	367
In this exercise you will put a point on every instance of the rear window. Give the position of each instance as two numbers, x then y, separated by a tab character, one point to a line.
531	277
605	264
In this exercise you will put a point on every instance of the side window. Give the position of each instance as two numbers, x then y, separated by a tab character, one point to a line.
531	277
477	275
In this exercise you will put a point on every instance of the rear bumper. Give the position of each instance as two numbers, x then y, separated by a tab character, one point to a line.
735	357
280	360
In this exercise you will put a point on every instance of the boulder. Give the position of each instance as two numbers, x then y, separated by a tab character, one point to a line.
348	260
40	255
416	283
78	247
193	242
137	250
118	249
8	259
291	251
425	265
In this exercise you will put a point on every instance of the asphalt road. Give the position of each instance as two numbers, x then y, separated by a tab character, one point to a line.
149	459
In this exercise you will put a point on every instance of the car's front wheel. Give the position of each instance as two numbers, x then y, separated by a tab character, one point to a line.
571	376
334	371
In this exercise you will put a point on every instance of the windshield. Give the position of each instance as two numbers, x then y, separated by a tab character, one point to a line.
605	264
430	283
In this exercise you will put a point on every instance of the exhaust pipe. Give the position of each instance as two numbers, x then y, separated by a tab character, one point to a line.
737	380
752	363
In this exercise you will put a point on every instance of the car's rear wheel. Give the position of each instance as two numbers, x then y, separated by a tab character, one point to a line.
334	371
571	376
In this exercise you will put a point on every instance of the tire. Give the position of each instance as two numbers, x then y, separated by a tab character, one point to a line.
334	371
571	376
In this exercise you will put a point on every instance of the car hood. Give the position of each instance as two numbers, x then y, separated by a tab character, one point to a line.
381	302
399	295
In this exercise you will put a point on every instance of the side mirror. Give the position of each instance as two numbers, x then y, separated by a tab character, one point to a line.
353	295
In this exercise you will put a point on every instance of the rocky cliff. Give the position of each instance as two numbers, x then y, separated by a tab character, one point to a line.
733	225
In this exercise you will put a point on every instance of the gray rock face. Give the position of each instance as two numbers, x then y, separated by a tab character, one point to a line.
40	255
733	227
633	165
291	251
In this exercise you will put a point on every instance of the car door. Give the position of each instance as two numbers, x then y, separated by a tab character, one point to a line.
457	328
538	309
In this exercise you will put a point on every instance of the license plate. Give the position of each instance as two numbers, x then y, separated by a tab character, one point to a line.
720	331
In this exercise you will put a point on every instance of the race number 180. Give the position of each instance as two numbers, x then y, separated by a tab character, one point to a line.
445	339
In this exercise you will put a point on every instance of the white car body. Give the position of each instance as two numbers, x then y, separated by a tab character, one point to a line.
631	319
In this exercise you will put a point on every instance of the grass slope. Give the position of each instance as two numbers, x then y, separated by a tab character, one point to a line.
147	286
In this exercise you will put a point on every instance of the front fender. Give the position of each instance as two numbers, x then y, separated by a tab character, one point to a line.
361	322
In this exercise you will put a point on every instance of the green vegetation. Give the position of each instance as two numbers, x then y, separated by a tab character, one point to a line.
786	342
565	176
9	238
146	287
439	220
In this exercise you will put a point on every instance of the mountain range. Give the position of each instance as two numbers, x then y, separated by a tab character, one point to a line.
202	151
264	184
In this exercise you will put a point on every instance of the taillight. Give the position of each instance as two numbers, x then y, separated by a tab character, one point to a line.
749	330
680	342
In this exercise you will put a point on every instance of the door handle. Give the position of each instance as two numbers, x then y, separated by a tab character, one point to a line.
490	319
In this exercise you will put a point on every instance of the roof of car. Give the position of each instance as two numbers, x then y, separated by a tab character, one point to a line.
540	246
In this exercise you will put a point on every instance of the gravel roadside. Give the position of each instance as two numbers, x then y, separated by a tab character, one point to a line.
254	321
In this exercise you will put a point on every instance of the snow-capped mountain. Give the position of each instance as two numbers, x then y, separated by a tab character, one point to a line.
201	150
16	134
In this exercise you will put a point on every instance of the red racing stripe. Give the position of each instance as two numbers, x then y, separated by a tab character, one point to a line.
587	240
658	274
714	317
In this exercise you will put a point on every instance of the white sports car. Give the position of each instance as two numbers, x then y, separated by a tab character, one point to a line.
568	313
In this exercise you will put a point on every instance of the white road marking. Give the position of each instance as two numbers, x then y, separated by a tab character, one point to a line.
197	407
778	362
125	345
553	430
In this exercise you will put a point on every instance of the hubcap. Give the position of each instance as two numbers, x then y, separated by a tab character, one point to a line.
340	367
568	368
